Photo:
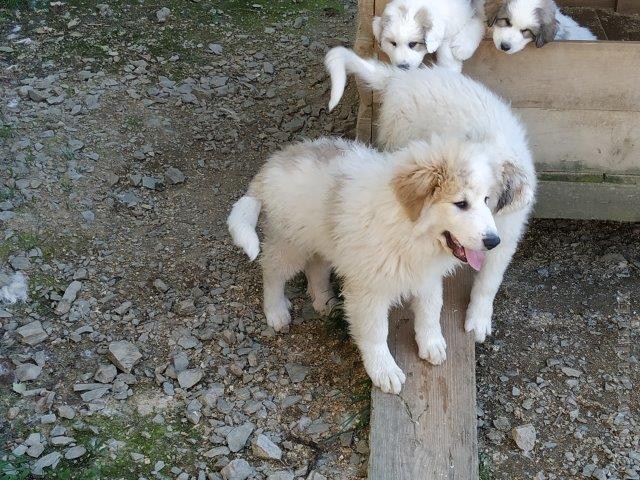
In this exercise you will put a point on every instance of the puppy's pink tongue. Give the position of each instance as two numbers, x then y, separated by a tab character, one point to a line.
475	258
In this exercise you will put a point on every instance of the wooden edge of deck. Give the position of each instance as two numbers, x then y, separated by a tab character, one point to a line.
429	431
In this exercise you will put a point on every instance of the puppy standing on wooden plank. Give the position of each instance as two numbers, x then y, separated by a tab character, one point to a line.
391	224
409	29
417	104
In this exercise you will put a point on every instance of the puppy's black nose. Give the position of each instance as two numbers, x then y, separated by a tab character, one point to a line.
505	47
404	66
491	241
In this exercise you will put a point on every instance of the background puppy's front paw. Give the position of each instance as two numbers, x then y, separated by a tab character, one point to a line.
278	316
480	324
432	43
432	348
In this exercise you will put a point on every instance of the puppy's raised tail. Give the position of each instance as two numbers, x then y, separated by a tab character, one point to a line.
242	223
341	61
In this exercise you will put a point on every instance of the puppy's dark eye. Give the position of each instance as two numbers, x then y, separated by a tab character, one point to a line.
527	33
393	44
463	205
413	44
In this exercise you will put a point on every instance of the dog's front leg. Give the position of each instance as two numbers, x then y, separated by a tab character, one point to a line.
446	59
427	305
488	280
368	318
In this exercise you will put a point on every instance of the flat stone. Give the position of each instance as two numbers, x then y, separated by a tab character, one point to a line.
188	378
524	436
297	373
174	176
28	371
75	452
106	373
92	395
281	475
48	461
571	372
217	452
62	440
32	333
238	469
238	436
263	447
124	355
65	411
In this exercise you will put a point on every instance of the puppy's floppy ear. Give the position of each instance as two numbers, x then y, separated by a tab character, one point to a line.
415	186
548	25
423	19
515	189
376	26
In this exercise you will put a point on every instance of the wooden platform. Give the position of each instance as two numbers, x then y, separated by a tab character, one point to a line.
428	432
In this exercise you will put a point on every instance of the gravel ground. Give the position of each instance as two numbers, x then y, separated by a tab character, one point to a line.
127	130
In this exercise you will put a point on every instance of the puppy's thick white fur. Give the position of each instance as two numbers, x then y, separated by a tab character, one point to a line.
409	29
378	219
419	103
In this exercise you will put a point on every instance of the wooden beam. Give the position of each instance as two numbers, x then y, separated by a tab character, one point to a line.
429	431
588	201
628	6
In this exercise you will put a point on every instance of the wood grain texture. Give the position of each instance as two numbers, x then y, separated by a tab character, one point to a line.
428	432
584	140
563	75
588	201
628	6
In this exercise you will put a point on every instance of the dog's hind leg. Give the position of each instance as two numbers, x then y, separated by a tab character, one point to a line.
427	305
488	279
318	272
280	262
367	314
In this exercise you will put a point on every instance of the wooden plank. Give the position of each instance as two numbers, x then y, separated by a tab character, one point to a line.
563	75
588	201
584	140
587	3
628	7
364	46
428	432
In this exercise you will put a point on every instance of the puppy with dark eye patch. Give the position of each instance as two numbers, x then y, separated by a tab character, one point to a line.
409	29
515	23
447	104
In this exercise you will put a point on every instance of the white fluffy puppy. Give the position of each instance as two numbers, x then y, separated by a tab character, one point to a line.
417	104
409	29
516	23
391	224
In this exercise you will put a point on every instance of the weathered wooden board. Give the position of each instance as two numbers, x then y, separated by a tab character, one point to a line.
428	432
587	3
563	75
628	6
588	201
584	140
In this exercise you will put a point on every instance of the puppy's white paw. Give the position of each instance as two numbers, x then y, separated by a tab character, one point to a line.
433	42
480	324
278	316
463	50
432	348
383	371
